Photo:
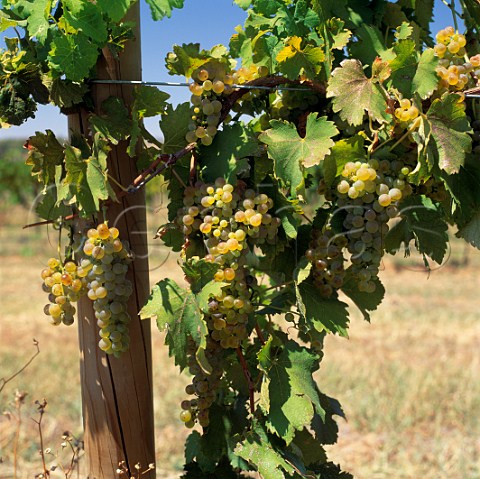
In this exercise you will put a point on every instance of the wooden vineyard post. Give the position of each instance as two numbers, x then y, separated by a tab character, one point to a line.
117	397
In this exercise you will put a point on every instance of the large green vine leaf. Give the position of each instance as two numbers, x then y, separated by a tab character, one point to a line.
180	312
421	221
163	8
86	180
115	124
73	56
45	154
174	126
36	12
322	314
85	17
291	153
116	10
258	451
227	157
347	83
294	60
292	394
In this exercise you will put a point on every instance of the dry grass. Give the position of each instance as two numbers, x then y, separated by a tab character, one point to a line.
409	382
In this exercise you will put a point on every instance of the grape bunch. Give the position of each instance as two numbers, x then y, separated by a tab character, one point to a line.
105	267
367	196
203	385
65	286
230	221
210	82
406	112
456	74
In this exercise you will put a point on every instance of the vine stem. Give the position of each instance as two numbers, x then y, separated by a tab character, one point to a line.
248	378
451	6
260	335
405	135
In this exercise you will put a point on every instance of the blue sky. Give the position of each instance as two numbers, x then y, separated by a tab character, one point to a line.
208	22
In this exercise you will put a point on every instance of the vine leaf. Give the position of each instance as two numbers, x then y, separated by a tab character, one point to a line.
257	450
48	207
214	444
36	12
227	156
322	314
85	17
292	394
365	302
290	152
188	57
115	10
163	8
293	61
199	273
311	451
449	132
65	93
471	231
149	101
6	21
370	45
404	66
115	123
45	154
353	94
180	312
422	222
425	81
73	56
174	126
86	180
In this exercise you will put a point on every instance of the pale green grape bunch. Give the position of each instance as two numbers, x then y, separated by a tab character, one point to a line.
105	267
65	286
367	197
325	252
203	386
369	193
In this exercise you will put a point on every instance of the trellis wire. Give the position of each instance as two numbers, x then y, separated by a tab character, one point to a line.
475	94
164	83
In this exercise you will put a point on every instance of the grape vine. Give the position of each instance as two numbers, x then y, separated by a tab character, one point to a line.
289	178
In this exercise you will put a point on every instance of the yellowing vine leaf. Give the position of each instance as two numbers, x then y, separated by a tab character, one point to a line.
354	94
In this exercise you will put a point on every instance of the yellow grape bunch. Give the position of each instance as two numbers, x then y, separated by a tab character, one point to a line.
406	112
230	221
64	287
367	198
210	82
456	70
101	275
